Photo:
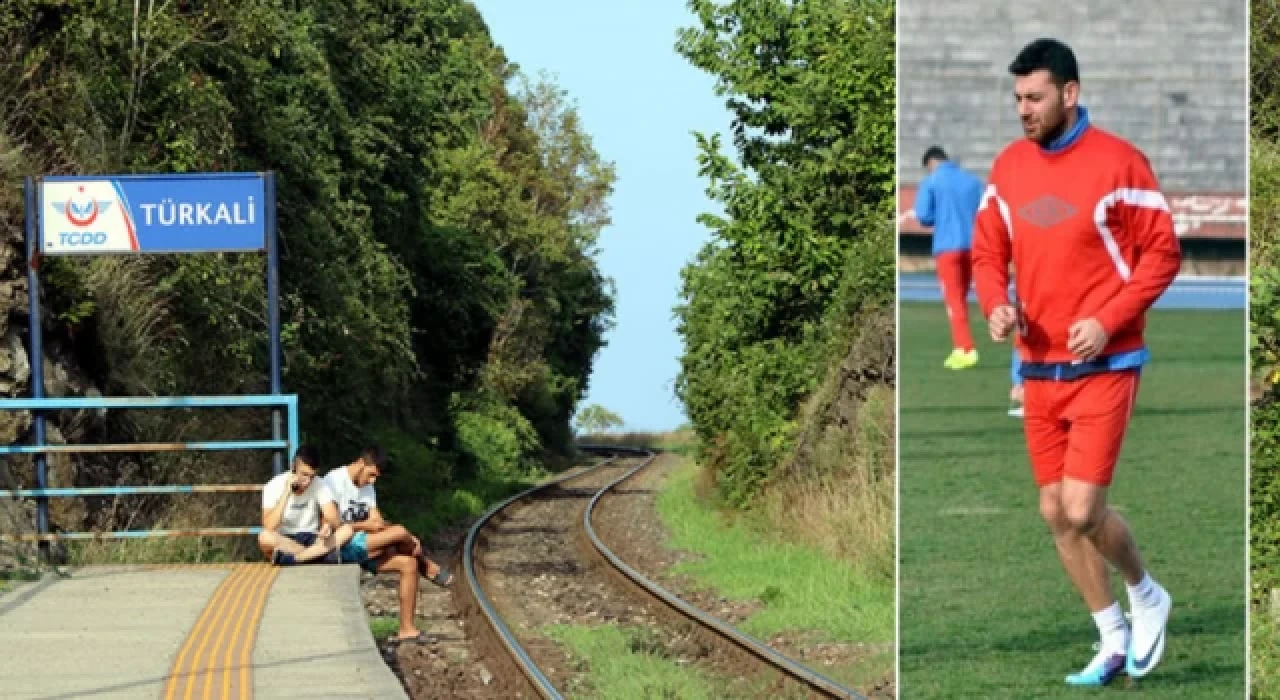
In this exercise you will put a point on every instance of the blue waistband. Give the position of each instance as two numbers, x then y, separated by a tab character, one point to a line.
1068	371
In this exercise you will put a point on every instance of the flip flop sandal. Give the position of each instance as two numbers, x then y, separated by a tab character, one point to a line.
420	638
443	578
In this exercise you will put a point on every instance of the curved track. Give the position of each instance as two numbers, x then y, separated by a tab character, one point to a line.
817	684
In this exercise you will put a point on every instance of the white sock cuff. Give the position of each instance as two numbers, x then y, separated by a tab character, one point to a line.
1109	618
1143	587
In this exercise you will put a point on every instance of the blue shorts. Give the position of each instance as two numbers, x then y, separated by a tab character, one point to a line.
306	539
356	551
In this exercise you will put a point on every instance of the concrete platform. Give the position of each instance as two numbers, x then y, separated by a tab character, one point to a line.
116	632
315	641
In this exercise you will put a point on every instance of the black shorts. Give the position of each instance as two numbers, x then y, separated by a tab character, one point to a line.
306	539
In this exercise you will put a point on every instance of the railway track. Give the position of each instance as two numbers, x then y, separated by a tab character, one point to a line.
522	655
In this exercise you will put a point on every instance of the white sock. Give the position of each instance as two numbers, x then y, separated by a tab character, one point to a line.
1113	628
1144	594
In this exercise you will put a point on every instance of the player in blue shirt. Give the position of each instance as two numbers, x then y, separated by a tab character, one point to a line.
948	200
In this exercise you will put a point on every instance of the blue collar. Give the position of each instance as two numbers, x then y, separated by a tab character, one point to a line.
1063	142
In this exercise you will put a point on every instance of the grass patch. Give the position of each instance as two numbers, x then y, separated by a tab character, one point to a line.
162	550
10	577
843	501
1264	675
986	608
383	627
799	588
625	663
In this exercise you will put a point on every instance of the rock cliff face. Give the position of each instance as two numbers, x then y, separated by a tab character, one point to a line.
62	377
831	415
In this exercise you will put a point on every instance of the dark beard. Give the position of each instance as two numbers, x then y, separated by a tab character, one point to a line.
1056	133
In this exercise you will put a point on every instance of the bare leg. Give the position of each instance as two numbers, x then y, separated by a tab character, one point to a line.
398	540
383	539
1080	558
408	571
323	546
269	542
1086	510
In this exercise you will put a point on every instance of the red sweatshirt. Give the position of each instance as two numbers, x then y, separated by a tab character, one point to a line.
1089	234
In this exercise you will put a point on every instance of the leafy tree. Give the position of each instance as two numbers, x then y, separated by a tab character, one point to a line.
597	419
438	215
810	86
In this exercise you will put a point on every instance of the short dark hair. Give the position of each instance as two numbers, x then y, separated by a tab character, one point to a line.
1047	54
934	153
308	455
376	456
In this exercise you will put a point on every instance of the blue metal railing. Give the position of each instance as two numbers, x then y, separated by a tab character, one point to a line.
204	239
288	402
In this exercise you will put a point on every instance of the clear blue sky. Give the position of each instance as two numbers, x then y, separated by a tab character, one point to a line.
640	101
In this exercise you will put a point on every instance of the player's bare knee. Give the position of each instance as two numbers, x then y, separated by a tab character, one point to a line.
1083	516
266	540
1053	513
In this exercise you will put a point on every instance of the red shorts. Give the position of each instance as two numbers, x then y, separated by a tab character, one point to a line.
1075	429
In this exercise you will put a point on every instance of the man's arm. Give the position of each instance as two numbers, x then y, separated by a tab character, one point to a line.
1148	221
923	208
329	514
273	513
992	251
373	523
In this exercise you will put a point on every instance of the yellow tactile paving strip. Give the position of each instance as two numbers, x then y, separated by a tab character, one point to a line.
215	660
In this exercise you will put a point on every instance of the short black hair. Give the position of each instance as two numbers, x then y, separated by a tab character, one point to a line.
934	153
376	456
1047	54
308	455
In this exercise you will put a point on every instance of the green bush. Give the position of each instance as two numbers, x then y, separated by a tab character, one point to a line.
439	216
805	244
1264	344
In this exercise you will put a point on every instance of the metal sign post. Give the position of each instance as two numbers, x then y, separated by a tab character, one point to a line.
149	214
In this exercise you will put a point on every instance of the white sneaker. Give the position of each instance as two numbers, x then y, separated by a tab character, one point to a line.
1146	645
1104	667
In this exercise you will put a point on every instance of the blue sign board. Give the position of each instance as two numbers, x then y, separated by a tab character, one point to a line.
209	212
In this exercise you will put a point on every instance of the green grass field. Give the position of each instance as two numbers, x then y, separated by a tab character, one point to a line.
986	610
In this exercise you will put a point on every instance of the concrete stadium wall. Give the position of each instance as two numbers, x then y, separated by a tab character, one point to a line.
1168	76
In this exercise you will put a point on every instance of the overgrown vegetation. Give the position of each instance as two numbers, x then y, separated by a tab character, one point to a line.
438	214
787	314
1264	341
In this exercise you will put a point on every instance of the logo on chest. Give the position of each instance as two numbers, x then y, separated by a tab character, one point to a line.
355	512
1046	211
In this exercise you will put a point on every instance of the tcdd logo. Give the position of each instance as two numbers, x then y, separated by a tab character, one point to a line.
74	238
82	211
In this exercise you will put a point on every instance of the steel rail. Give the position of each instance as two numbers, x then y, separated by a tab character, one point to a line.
739	638
530	669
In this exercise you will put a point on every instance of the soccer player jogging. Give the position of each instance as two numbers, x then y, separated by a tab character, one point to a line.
948	200
1078	212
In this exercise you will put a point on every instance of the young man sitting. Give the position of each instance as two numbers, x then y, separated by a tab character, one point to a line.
376	545
300	522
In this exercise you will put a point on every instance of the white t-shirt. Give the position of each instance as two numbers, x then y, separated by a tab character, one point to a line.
354	504
303	512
